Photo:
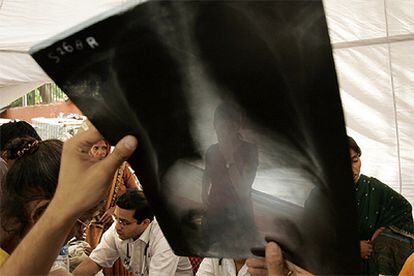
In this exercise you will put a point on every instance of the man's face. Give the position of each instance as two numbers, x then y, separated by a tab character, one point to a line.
126	225
100	150
356	165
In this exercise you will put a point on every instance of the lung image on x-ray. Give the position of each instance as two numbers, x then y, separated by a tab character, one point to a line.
236	108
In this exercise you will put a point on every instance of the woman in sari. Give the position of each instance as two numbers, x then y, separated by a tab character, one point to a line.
385	221
124	179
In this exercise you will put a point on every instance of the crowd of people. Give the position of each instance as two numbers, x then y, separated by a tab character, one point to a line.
53	193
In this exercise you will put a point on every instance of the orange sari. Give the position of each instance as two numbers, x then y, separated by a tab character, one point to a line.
123	179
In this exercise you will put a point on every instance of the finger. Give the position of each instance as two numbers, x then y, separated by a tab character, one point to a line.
257	271
104	216
121	153
278	241
256	263
88	250
84	126
90	136
274	259
107	220
102	219
85	139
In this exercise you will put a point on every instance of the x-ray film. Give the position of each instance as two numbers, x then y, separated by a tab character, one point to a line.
239	120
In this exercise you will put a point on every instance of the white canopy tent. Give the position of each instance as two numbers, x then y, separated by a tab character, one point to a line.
373	43
24	23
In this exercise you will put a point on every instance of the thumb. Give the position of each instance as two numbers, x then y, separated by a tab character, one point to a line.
274	259
123	150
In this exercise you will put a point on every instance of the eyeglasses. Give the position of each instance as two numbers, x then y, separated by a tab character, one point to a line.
122	222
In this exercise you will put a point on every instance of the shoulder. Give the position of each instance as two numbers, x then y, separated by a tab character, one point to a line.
110	236
373	182
384	190
109	240
377	184
111	230
156	236
155	227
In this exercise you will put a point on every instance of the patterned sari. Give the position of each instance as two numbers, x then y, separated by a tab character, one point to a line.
381	206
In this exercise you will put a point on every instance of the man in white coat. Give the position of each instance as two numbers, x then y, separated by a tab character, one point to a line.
137	240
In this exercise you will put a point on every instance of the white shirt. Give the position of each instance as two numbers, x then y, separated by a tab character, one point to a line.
150	254
225	267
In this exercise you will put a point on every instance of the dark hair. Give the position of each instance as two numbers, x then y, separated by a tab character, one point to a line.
19	147
33	176
12	130
353	145
135	200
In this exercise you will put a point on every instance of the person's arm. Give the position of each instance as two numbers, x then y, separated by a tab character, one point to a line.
365	249
59	272
82	183
106	253
87	267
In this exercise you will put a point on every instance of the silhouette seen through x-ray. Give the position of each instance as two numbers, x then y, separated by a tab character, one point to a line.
230	169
